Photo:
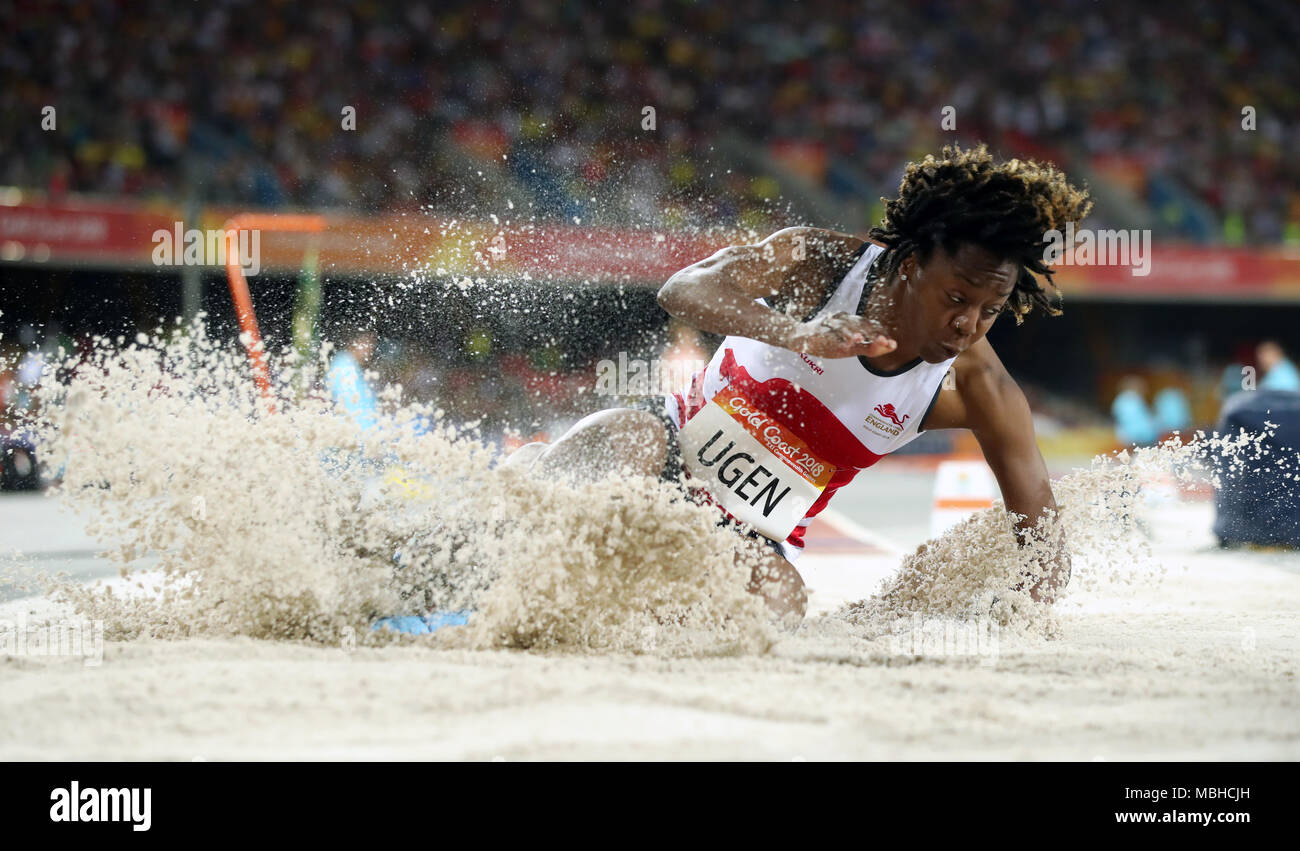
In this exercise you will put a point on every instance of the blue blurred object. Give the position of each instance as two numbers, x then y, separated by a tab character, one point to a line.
1283	376
1259	502
411	625
1134	423
350	389
416	625
1173	412
1230	382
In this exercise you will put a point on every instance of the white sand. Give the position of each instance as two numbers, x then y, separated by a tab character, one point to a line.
1201	667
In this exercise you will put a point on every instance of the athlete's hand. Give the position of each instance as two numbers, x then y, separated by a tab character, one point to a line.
1049	586
840	335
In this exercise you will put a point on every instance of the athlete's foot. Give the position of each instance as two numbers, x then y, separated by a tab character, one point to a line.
525	456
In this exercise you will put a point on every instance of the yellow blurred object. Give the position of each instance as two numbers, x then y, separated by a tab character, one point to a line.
1079	442
411	487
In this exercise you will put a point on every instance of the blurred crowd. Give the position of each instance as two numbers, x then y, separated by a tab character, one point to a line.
1144	418
243	101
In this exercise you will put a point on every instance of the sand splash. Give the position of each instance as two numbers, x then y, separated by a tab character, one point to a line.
967	573
287	521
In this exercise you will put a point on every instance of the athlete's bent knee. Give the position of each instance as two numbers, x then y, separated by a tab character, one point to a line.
617	439
779	584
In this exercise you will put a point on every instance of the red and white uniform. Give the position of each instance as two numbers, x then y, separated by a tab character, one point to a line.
772	434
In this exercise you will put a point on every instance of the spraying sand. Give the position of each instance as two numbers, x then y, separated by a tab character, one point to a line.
611	622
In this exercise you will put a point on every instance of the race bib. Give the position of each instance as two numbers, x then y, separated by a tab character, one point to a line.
752	465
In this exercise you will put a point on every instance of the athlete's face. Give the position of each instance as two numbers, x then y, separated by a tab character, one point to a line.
950	302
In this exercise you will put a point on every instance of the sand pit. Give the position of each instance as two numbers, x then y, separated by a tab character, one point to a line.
1201	666
612	622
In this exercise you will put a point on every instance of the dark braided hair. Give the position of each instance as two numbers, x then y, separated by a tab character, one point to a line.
1005	208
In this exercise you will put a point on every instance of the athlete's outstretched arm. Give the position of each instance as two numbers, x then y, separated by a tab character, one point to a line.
792	270
987	400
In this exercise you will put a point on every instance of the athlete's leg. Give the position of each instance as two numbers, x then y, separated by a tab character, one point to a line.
598	444
525	455
639	441
775	579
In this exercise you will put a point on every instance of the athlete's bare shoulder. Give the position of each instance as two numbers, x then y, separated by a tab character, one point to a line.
979	370
980	386
811	260
978	357
816	243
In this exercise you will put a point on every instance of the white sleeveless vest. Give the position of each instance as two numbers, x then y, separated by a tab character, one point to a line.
771	434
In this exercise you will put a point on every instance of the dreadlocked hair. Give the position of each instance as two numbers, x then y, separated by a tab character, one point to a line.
1006	208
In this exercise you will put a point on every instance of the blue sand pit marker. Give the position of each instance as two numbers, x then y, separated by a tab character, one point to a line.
417	625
